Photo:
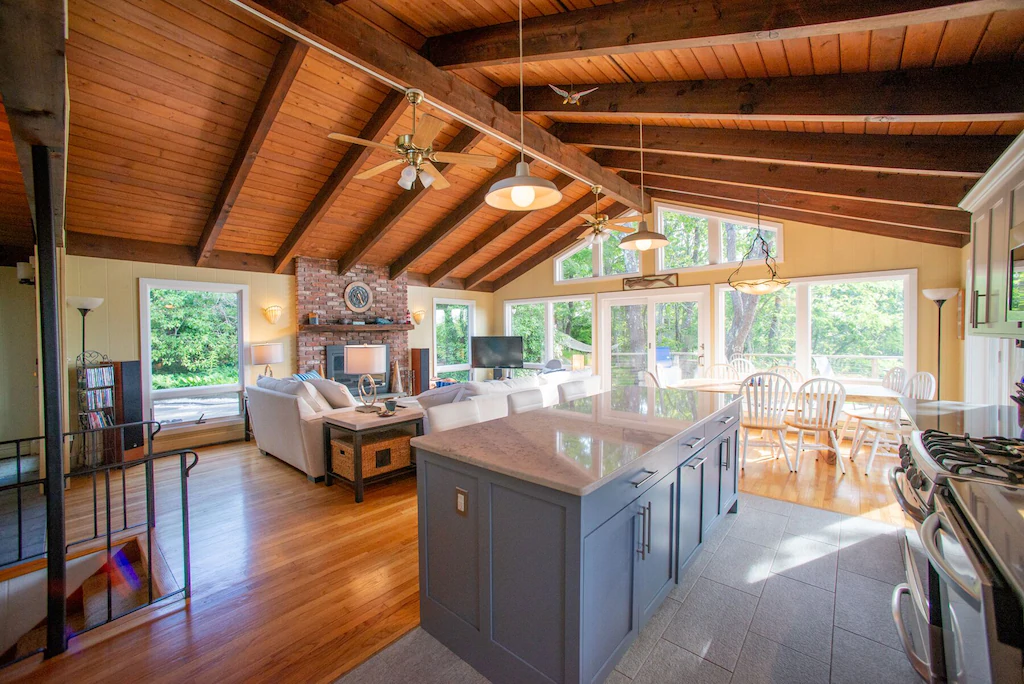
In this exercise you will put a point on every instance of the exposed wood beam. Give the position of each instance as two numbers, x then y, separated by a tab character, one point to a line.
957	155
344	34
386	116
107	247
984	92
466	139
420	280
916	190
540	257
935	237
560	219
880	212
644	26
485	238
279	80
451	222
33	83
10	255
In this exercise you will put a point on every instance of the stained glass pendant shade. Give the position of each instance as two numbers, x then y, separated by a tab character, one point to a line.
760	247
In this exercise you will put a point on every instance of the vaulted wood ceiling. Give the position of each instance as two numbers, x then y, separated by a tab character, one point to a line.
198	130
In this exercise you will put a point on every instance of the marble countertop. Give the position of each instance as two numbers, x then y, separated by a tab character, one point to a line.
959	418
578	446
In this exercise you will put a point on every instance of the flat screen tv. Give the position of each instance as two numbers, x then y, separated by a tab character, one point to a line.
497	352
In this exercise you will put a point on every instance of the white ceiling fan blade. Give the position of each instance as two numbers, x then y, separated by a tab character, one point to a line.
620	229
426	130
341	137
484	161
379	168
440	182
631	219
589	218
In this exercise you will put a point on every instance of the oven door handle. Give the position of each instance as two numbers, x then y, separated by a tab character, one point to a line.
930	529
915	512
921	666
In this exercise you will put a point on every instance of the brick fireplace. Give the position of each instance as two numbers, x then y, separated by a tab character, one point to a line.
321	290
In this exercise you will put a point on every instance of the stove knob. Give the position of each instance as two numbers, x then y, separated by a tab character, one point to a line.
905	459
915	478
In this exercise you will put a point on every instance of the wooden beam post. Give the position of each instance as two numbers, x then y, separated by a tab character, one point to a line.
643	26
466	139
386	116
279	80
485	238
976	92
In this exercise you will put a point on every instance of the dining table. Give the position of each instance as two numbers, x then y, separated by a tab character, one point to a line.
856	392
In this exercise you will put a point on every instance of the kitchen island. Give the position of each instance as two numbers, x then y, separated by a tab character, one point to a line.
548	539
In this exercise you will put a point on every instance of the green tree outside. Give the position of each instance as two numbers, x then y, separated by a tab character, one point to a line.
193	338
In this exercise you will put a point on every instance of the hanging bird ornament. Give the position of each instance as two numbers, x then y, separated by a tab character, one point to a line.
571	96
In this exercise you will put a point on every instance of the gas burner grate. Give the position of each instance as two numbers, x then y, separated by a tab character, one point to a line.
1000	459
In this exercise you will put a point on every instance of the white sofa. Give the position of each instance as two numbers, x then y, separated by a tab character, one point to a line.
288	429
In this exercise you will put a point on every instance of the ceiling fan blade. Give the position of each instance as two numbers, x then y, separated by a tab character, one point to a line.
426	130
440	182
484	161
619	229
589	218
379	168
624	220
341	137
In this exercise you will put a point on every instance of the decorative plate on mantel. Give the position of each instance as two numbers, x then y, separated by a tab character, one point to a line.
358	297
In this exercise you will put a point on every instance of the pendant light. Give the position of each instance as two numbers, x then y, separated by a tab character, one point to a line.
762	286
522	192
644	238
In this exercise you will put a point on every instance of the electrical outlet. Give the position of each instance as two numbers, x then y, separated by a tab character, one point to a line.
461	501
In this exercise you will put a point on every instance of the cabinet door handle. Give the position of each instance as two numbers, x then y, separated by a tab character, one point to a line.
694	443
643	533
974	310
697	463
650	474
649	518
725	455
727	420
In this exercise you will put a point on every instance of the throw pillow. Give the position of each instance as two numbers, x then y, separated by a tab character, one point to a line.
336	394
315	399
308	375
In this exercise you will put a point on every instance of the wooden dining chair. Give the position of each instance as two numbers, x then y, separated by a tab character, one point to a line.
885	433
744	367
920	386
651	380
795	377
894	379
766	398
722	371
818	405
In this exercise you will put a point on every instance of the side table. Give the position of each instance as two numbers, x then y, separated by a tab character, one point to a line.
357	425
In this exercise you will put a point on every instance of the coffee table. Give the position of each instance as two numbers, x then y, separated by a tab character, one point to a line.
357	425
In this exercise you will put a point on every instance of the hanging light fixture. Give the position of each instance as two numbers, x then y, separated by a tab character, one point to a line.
644	238
762	286
522	192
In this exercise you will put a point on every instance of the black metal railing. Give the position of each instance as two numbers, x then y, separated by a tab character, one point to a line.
23	448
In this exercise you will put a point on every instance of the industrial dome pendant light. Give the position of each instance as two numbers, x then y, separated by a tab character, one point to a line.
760	286
522	192
644	238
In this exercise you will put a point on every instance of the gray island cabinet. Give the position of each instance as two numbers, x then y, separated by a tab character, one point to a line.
548	539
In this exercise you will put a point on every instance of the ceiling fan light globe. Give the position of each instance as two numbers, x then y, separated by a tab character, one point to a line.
426	178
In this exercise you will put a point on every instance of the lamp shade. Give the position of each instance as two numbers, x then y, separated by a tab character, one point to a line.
940	294
86	303
265	354
643	239
523	192
365	359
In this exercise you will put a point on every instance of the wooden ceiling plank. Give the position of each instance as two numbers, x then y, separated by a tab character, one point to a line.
879	212
563	217
451	221
946	155
386	116
279	81
935	237
642	26
978	92
910	189
466	139
539	258
485	238
350	37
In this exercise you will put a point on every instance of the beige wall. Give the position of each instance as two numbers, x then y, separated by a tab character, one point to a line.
113	328
811	251
19	385
422	299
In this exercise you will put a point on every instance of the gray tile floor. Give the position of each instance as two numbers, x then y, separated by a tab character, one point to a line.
779	593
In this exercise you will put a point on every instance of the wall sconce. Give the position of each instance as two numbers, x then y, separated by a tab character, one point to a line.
26	273
272	313
417	316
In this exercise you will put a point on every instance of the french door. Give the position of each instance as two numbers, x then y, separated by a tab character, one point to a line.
667	335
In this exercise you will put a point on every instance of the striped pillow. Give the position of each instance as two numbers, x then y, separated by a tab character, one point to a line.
309	375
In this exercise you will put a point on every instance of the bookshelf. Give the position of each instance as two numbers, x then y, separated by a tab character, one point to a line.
109	393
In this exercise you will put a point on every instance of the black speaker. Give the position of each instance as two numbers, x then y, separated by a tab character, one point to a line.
420	365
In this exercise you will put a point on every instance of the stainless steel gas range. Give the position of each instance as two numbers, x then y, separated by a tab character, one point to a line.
964	557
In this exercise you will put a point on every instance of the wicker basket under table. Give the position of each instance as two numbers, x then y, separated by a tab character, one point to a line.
383	452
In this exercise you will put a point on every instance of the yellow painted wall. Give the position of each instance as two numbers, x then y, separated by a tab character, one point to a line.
113	328
19	385
811	251
422	299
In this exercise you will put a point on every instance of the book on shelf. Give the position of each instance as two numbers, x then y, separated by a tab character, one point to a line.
98	399
98	419
96	376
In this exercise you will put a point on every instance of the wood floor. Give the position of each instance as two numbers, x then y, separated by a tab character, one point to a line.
293	582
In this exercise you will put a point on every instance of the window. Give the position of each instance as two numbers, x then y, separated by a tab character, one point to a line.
193	335
559	328
453	329
700	239
856	326
597	260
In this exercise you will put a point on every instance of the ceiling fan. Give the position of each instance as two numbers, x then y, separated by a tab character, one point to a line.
600	224
415	152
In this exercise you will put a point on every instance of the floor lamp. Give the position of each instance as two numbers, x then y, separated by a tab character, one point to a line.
939	295
84	306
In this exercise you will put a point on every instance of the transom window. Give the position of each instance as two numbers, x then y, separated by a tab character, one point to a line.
597	260
557	328
453	329
701	239
193	336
